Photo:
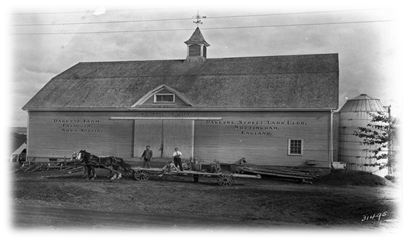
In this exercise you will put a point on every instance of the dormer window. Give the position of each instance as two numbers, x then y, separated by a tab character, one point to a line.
163	95
164	98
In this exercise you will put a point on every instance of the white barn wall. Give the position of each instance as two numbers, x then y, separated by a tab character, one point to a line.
260	137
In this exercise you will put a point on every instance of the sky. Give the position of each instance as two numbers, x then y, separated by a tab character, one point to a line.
45	40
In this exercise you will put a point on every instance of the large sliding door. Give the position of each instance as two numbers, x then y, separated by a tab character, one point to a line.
177	133
147	132
163	136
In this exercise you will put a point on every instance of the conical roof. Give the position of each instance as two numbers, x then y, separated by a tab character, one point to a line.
197	38
362	103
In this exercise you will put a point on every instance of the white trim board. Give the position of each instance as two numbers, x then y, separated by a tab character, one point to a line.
166	118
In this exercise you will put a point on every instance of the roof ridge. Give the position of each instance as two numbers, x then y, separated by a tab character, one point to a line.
222	74
244	57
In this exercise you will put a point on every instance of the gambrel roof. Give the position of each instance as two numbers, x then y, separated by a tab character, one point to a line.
296	81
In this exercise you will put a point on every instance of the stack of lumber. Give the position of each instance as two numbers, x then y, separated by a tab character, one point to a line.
32	167
45	166
276	172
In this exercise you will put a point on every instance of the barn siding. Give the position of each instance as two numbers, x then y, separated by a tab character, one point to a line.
59	134
260	137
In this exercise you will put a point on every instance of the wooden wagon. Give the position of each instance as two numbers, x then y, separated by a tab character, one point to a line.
224	179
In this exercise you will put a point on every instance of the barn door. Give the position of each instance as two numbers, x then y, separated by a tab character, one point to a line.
147	132
177	133
163	136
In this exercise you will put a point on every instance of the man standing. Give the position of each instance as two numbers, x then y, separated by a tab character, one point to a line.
177	159
147	155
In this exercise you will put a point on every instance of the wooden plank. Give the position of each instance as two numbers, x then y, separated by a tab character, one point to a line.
190	109
281	175
246	176
273	170
166	118
147	169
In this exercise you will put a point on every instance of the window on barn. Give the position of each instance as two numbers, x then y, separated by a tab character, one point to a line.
164	98
295	147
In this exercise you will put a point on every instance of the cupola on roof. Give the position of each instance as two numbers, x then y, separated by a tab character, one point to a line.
196	47
197	38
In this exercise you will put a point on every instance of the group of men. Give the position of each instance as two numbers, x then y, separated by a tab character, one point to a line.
148	154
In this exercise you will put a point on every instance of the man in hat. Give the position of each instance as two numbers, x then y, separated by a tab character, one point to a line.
147	155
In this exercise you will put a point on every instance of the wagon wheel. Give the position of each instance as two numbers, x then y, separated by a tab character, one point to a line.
226	179
144	175
140	175
136	175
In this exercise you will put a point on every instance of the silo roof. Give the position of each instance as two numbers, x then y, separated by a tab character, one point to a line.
363	103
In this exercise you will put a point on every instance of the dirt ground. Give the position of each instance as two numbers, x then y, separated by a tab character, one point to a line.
342	200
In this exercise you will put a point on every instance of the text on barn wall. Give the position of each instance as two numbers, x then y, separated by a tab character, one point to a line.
257	127
78	125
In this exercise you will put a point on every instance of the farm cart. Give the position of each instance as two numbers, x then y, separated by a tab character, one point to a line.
224	179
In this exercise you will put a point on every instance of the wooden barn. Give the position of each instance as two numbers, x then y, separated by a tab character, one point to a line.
271	110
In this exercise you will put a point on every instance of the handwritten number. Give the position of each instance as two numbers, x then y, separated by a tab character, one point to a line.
372	217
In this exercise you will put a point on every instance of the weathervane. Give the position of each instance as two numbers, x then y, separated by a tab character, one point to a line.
198	19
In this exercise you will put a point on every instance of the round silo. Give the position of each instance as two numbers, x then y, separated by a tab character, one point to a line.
357	156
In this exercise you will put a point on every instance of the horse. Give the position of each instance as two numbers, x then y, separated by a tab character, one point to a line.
91	161
76	160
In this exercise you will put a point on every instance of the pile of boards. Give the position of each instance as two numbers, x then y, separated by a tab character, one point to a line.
45	166
282	172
